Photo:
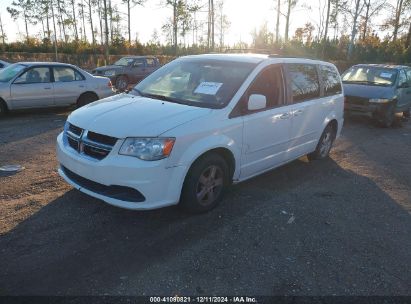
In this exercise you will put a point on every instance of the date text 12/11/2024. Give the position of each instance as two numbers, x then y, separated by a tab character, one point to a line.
202	299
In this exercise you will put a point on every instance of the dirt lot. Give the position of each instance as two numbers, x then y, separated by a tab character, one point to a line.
351	234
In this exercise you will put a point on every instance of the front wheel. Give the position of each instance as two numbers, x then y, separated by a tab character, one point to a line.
205	184
324	144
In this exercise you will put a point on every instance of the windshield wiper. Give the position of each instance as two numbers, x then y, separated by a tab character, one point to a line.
160	97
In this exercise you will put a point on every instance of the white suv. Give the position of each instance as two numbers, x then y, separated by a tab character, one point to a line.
198	124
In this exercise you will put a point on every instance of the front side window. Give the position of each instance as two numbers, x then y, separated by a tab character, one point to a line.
35	75
138	63
409	76
10	72
270	84
304	82
66	74
370	75
196	82
402	78
331	80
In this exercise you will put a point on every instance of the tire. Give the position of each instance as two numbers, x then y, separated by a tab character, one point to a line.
3	108
122	83
324	144
407	114
85	99
205	184
387	118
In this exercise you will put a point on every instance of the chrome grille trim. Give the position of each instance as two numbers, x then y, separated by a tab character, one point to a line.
85	146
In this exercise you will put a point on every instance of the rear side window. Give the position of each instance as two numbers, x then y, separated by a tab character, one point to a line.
331	80
66	74
150	62
304	82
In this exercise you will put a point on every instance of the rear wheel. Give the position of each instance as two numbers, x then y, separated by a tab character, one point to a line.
86	98
122	83
324	144
205	184
407	113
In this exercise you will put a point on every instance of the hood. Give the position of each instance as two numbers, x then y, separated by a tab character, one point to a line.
368	91
126	115
109	67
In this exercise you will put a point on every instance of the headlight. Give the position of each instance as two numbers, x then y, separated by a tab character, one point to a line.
147	148
379	100
110	73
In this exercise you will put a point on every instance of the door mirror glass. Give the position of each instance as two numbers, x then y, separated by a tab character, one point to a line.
257	102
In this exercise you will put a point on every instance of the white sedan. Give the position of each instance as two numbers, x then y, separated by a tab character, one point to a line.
26	85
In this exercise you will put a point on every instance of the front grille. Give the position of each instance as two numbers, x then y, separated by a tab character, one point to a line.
117	192
75	130
356	100
104	139
92	144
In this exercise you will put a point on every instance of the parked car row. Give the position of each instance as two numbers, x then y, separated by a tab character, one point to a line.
191	128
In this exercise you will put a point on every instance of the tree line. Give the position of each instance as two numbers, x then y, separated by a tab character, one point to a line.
344	29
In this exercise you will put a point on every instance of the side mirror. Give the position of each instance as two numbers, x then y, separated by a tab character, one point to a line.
404	85
256	102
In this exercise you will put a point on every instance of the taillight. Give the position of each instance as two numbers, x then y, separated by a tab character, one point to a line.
109	84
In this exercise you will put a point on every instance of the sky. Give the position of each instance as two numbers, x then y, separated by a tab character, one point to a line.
244	16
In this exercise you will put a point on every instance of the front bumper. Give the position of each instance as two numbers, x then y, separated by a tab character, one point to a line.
367	107
159	186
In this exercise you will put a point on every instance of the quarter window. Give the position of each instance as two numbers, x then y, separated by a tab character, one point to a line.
66	74
331	80
304	82
270	84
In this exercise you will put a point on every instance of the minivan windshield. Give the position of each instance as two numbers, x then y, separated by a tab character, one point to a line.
370	75
9	72
197	82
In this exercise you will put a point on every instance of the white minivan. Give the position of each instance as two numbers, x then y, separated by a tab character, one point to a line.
198	124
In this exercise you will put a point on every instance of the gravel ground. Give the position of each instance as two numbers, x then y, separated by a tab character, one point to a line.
341	226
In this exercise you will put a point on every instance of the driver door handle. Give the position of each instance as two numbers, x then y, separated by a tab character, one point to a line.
298	112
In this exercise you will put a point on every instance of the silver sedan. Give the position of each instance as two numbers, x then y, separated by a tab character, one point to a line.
26	85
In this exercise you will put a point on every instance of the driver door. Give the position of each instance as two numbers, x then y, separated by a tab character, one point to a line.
266	133
138	70
33	88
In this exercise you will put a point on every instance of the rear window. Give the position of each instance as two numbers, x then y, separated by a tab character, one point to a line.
304	82
331	80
